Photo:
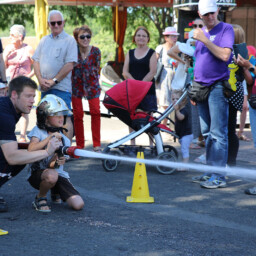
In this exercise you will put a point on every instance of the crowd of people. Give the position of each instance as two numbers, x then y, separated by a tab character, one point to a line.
67	70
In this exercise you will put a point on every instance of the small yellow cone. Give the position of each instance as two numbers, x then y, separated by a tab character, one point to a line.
140	191
3	232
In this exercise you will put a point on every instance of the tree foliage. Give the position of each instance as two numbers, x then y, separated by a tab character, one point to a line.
16	14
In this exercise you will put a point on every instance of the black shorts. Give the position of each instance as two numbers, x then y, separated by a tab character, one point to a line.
63	186
9	171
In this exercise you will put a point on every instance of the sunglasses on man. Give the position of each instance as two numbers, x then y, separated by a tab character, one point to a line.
53	23
199	25
82	37
207	14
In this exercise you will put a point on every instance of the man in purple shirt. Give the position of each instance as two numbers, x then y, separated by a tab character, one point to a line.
213	54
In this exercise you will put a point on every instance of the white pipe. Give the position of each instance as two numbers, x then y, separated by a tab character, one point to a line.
234	171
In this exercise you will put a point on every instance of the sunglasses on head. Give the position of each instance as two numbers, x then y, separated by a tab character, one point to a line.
207	14
199	25
53	23
85	36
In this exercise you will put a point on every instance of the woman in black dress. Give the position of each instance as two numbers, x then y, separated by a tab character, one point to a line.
140	64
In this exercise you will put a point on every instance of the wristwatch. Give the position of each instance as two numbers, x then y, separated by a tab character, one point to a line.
251	69
55	80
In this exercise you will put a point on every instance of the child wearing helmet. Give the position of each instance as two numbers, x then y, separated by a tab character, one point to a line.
48	174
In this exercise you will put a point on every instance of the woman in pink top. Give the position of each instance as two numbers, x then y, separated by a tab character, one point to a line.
18	62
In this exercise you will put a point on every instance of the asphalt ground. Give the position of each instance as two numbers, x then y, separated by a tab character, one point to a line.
185	219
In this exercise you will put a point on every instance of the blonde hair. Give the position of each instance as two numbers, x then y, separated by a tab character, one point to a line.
179	93
239	34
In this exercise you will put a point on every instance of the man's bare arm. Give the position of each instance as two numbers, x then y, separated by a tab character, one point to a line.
219	52
15	156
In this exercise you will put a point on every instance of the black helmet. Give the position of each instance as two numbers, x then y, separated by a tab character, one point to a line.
50	105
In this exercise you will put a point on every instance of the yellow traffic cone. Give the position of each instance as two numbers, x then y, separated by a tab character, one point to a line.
3	232
140	192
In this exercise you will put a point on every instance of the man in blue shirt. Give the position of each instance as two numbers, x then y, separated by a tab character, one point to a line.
12	160
213	54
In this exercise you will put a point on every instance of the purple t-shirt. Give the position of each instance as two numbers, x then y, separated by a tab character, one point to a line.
208	68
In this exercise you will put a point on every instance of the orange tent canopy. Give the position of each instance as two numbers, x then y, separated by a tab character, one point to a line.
125	3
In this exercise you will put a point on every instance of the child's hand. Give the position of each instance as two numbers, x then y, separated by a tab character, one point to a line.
176	107
57	135
53	145
193	102
61	160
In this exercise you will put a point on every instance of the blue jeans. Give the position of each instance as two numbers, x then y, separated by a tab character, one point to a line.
252	113
66	96
213	115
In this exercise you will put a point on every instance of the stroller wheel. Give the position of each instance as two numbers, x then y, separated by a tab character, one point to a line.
110	165
168	148
166	156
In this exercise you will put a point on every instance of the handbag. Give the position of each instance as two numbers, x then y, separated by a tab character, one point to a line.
159	67
198	92
252	101
227	89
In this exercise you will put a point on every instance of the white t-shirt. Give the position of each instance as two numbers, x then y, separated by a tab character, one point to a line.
180	76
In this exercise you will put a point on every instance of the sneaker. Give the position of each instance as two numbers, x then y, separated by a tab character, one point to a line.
200	178
201	159
251	191
215	181
3	205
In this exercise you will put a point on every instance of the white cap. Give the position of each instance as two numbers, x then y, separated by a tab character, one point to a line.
2	85
206	6
170	31
186	49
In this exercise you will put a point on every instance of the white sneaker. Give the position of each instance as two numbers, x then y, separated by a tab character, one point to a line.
201	159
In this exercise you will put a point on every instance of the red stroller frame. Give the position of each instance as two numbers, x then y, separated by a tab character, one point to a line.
122	100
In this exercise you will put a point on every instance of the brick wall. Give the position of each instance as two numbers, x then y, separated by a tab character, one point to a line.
246	18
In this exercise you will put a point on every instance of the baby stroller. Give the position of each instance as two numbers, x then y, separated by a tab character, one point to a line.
110	75
122	100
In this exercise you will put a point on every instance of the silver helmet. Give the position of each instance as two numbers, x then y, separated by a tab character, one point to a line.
51	105
54	106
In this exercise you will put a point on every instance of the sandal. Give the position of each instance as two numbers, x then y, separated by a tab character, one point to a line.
56	198
38	206
243	137
97	149
22	140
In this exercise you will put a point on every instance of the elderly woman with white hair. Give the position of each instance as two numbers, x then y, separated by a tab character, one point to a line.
18	62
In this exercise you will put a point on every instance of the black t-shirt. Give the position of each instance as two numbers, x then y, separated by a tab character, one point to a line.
184	127
8	119
1	47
